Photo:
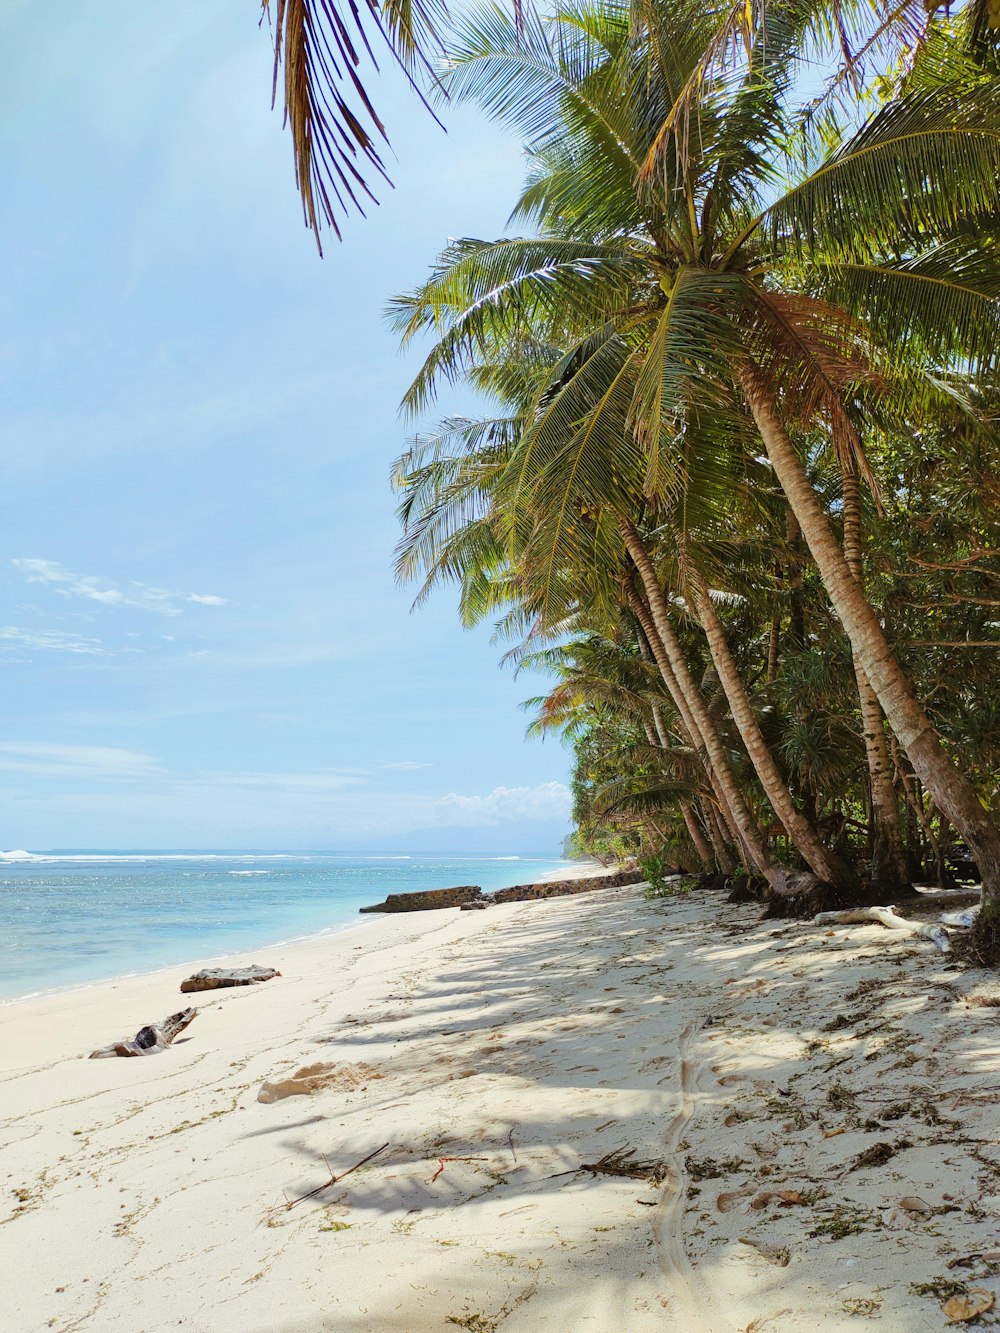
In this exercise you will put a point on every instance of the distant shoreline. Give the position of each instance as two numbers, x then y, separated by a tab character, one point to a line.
220	954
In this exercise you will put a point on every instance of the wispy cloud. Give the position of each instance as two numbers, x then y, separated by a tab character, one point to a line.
406	765
305	784
88	788
145	596
51	641
549	800
101	762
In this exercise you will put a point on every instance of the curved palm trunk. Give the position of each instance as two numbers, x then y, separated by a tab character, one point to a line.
660	726
807	842
696	835
780	880
658	737
888	854
952	791
716	836
725	862
659	722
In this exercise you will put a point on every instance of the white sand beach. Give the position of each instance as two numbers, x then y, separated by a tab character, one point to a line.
753	1065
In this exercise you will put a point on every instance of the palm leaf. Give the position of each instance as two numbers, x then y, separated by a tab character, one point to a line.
336	132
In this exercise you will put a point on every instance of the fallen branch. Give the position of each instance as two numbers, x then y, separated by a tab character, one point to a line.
334	1179
885	916
445	1160
149	1040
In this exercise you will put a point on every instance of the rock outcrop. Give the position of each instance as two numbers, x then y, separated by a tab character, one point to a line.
560	888
428	900
469	897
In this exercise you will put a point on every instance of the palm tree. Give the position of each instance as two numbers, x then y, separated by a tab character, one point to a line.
723	286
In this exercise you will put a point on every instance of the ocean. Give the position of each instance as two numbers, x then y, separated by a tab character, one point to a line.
69	918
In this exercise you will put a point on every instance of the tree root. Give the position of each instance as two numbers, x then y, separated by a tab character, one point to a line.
746	888
811	895
984	938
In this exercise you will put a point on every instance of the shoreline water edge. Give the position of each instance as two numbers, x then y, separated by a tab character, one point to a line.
72	920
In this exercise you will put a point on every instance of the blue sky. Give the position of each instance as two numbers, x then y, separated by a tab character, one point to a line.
201	643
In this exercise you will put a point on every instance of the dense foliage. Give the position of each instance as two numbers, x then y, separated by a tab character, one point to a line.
736	487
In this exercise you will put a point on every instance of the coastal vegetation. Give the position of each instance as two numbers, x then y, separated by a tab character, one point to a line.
735	483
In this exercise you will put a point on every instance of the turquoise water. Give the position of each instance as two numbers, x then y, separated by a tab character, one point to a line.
68	919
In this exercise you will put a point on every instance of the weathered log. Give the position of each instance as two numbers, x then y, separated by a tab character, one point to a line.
149	1040
888	917
213	978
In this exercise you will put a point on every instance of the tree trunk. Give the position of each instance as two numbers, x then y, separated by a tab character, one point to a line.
796	606
888	862
909	786
772	650
952	791
781	881
661	727
807	842
724	859
696	835
726	864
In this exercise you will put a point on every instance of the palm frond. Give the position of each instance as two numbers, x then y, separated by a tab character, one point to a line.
941	307
921	166
336	131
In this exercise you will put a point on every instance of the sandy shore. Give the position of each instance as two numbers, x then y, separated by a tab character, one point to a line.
791	1087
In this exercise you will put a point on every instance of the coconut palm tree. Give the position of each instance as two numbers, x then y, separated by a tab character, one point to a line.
726	285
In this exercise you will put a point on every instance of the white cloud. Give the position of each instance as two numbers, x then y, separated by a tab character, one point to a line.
406	765
307	784
51	641
87	788
75	761
145	596
549	800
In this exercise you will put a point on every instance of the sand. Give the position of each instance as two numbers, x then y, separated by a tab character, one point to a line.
785	1087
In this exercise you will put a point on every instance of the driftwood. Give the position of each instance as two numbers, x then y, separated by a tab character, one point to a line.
888	917
149	1040
213	978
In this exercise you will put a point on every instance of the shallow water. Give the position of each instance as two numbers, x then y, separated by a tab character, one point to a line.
69	919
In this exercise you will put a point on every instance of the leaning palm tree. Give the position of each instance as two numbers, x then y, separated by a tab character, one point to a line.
728	285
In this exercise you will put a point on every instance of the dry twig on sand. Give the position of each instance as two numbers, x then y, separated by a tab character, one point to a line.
619	1162
445	1160
334	1179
